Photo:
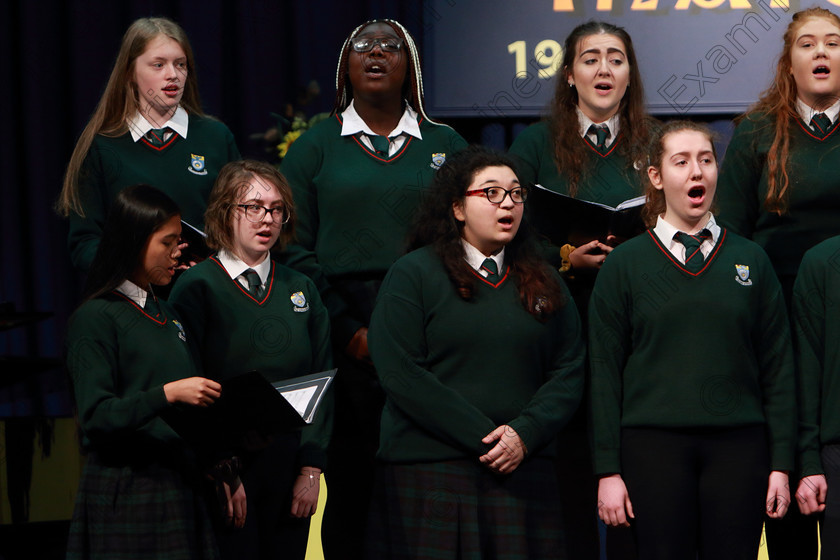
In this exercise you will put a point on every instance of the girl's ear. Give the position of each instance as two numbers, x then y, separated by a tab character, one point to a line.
458	210
655	177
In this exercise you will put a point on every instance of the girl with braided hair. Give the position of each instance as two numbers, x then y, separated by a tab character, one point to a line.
357	178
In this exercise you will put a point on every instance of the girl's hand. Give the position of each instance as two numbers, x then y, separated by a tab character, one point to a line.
184	266
236	505
778	495
614	506
590	255
357	348
305	492
507	453
195	391
811	494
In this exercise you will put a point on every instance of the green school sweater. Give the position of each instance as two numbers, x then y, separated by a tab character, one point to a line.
816	333
671	349
814	191
119	359
115	163
284	335
608	179
454	370
354	206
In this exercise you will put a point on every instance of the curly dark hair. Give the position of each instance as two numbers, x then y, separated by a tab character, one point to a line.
435	224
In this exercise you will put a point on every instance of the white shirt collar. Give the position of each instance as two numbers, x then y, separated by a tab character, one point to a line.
585	122
475	258
352	123
133	292
139	126
806	112
665	231
236	266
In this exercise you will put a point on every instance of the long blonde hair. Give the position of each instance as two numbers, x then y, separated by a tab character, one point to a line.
120	101
779	103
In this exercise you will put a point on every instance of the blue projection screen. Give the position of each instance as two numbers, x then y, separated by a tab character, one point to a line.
497	58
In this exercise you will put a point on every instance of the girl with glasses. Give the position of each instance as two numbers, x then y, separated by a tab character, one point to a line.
248	313
358	178
129	359
477	345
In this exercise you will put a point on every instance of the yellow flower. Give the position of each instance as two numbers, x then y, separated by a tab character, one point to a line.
288	140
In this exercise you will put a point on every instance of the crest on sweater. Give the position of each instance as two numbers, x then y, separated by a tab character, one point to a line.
197	165
743	275
438	159
299	302
181	333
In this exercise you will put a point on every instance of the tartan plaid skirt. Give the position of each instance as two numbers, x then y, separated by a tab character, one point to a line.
461	510
141	509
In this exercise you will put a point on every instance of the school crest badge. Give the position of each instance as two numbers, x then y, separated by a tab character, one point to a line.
181	333
743	275
299	302
197	165
438	159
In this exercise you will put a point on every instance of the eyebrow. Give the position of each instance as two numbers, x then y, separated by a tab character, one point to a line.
497	181
259	202
598	51
812	36
688	155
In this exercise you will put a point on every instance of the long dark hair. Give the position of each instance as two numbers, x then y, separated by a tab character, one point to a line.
570	154
137	212
435	225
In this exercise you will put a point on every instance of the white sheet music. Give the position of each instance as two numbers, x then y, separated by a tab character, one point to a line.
299	398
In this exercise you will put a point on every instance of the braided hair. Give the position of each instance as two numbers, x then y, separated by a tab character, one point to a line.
413	87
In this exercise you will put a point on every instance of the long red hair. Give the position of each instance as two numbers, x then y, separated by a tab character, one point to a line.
779	103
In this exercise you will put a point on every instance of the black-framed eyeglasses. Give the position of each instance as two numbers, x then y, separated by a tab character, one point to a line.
256	213
387	44
496	195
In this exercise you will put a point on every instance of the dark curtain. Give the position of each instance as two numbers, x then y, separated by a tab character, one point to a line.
55	57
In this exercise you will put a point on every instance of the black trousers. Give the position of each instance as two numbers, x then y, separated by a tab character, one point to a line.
351	456
793	537
270	531
696	493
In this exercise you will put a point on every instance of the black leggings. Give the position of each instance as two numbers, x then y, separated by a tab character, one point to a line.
696	491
